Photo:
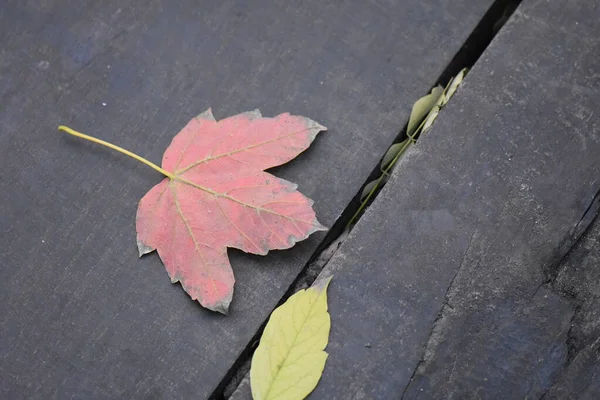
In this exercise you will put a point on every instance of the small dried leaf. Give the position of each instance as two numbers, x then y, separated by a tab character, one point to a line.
422	107
393	152
430	118
371	185
290	358
454	85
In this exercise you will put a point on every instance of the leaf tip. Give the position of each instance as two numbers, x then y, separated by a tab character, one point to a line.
316	126
220	307
207	115
143	249
322	284
219	303
317	227
255	114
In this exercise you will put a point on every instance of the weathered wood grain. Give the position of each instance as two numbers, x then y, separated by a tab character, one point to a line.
444	289
81	315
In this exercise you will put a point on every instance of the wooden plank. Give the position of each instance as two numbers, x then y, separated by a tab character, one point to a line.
81	315
508	334
444	289
578	278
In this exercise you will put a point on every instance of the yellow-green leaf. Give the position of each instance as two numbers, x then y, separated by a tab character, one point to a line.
369	187
454	85
393	152
422	108
430	118
290	358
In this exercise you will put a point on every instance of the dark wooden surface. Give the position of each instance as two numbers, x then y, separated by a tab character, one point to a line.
578	278
82	316
506	330
452	286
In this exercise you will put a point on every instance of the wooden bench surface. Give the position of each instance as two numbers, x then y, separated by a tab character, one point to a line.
81	315
454	284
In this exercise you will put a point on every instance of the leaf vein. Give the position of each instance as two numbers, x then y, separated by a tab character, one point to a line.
189	229
211	158
236	227
225	196
271	229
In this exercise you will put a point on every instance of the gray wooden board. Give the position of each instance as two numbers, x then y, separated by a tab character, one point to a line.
444	276
503	333
81	315
578	278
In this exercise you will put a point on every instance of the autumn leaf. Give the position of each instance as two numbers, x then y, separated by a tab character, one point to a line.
290	358
216	195
393	151
453	86
421	108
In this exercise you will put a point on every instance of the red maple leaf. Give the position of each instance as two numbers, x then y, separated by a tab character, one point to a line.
216	195
221	197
